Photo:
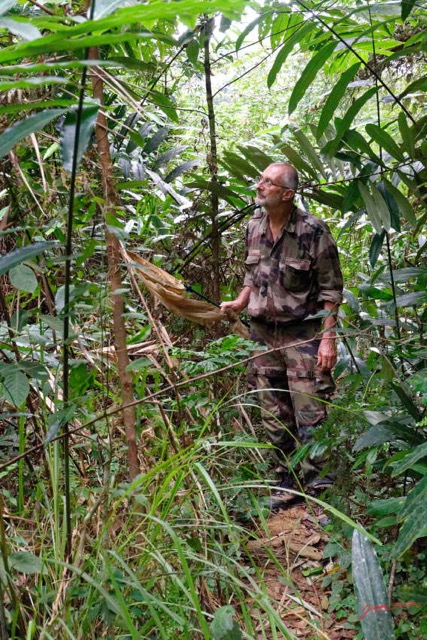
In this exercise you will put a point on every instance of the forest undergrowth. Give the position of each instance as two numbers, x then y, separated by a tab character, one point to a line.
134	471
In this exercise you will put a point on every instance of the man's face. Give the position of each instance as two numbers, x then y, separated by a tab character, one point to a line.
271	188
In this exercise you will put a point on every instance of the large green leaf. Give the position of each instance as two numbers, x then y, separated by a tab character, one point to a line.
240	164
385	432
356	141
407	134
386	506
112	28
156	140
26	562
333	200
309	74
87	122
310	152
299	163
20	28
385	141
420	84
407	401
411	299
180	169
23	278
258	158
5	5
15	385
409	460
28	83
300	32
344	124
334	98
373	605
382	207
165	104
414	513
223	626
103	8
375	248
18	256
370	207
26	127
407	6
403	204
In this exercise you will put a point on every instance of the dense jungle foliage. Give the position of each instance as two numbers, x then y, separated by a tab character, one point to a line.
132	463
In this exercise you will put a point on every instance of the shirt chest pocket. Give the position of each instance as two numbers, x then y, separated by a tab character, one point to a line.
253	263
295	274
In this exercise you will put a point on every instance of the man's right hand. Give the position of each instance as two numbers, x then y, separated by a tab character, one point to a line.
239	303
231	305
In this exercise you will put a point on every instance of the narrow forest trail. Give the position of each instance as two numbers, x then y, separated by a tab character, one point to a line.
296	539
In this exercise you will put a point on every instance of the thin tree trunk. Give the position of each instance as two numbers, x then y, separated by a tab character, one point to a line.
212	162
114	274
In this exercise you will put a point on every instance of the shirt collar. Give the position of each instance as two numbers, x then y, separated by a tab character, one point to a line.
289	226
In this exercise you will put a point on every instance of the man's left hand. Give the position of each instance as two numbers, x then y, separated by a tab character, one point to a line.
327	353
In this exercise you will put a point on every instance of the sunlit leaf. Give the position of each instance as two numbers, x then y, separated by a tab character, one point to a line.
344	124
373	604
334	98
411	299
5	5
381	207
165	104
370	206
299	163
19	28
310	152
25	83
24	128
309	74
296	36
103	8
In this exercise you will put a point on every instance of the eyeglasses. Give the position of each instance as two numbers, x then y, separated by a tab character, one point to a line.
269	183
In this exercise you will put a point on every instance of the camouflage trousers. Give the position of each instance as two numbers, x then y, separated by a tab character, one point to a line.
291	388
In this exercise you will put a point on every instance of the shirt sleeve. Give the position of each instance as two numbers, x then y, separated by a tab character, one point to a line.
248	281
327	268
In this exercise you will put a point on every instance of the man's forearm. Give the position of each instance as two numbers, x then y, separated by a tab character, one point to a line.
330	321
240	302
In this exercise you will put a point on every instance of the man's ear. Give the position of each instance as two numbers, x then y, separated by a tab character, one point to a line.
288	195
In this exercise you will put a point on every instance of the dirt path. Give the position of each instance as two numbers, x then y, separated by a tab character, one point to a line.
296	540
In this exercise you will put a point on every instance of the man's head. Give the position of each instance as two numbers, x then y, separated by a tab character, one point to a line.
277	186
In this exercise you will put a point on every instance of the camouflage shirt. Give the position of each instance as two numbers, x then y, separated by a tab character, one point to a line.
291	277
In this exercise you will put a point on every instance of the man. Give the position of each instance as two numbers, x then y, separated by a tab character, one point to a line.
292	274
